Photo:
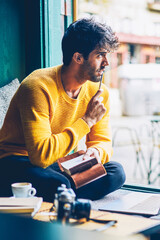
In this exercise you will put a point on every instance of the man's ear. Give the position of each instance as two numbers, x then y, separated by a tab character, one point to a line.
78	58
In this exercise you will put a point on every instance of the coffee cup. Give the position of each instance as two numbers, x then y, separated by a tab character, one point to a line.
23	190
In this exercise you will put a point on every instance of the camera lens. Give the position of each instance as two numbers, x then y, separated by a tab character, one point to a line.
81	209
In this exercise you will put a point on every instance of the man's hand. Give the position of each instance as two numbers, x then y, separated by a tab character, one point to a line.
95	110
92	152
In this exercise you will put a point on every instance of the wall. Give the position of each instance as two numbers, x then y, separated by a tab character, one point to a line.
12	51
31	33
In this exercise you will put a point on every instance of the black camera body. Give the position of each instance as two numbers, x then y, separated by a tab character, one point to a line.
67	206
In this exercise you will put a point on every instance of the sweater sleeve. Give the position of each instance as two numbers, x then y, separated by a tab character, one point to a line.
44	147
100	135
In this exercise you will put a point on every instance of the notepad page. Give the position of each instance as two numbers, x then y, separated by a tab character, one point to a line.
74	162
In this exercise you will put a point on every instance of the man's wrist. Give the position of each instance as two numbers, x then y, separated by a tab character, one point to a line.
88	121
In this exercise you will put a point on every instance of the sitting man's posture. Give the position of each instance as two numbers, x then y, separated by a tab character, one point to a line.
53	109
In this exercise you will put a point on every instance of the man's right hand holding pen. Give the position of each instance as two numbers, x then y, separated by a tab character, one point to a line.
95	110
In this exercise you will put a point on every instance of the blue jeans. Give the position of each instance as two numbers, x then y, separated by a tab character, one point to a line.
19	169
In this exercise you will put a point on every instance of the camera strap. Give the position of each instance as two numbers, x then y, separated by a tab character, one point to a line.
101	220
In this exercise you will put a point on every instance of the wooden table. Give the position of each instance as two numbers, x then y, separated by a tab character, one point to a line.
126	224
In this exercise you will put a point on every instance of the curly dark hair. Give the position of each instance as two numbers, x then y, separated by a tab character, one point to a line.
84	35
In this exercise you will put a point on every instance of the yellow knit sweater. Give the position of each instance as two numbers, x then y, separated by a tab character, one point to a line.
44	123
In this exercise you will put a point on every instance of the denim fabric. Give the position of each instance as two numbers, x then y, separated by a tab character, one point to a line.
19	169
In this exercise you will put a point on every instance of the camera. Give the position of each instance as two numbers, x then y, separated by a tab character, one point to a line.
67	206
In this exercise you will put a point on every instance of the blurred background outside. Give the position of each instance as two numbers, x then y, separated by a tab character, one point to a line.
133	78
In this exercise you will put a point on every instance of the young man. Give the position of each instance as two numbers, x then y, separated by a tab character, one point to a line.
56	107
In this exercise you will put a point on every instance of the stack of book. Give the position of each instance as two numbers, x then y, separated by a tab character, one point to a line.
25	206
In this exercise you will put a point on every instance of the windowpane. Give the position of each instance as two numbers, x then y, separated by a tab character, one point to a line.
134	84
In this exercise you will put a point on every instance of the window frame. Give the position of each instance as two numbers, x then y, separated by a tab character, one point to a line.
50	25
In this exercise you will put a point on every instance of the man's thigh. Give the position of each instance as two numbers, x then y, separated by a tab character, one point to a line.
112	181
19	169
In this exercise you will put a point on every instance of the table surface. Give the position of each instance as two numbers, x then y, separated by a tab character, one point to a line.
125	226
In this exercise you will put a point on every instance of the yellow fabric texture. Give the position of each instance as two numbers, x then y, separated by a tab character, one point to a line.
44	123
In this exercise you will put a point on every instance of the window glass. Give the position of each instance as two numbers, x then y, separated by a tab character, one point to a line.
134	84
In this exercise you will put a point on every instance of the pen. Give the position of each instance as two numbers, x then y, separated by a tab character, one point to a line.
106	226
100	82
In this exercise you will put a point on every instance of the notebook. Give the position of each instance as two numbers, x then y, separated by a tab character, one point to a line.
81	171
138	203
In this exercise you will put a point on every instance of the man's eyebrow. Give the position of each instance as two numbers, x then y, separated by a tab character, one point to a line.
98	52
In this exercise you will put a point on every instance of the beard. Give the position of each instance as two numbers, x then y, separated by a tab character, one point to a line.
91	72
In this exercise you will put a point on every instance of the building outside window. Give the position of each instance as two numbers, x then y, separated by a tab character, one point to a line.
133	79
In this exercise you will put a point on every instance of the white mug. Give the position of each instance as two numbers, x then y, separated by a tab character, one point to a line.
23	190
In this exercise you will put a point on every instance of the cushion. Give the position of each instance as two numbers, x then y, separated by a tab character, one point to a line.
6	94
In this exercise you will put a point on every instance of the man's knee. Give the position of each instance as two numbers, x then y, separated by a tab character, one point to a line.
46	182
116	170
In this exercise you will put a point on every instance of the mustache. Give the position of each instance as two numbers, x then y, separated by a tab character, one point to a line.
102	68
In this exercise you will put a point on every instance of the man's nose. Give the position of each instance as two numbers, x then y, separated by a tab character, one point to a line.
106	62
